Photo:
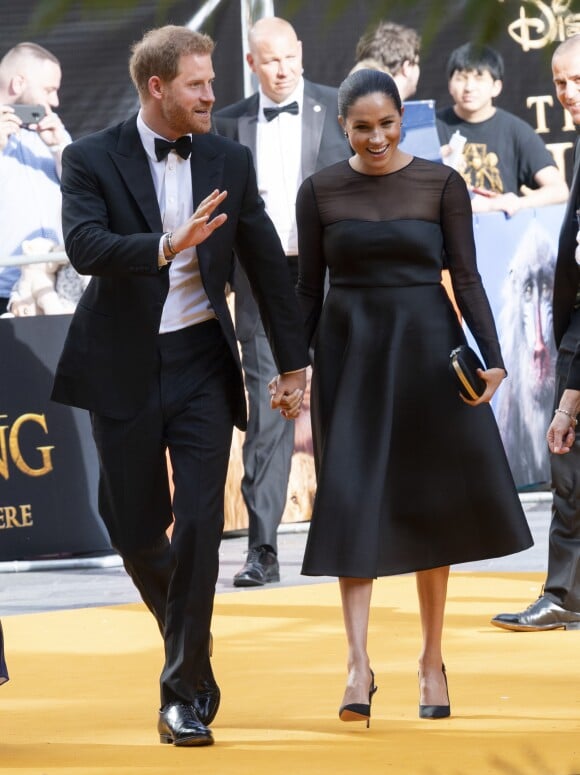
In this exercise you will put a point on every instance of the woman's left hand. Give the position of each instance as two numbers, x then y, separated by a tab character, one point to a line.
493	379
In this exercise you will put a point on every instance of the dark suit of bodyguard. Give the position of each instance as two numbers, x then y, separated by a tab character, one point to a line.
151	351
291	127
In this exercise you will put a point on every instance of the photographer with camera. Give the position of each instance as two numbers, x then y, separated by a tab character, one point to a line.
32	138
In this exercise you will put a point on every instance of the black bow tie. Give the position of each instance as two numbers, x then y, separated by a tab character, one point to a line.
182	145
271	113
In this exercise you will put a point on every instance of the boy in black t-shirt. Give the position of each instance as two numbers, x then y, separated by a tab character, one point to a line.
505	163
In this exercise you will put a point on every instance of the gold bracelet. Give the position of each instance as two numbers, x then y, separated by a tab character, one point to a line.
573	420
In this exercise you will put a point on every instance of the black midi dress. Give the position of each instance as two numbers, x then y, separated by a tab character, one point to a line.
409	477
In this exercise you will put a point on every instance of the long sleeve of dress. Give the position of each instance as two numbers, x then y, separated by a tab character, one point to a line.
459	243
312	266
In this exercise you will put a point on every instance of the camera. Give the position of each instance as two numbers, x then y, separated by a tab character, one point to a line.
29	114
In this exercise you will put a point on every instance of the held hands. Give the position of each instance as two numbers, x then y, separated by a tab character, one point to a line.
198	227
493	379
286	393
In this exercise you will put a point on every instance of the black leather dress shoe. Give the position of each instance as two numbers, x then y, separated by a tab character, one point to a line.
261	568
179	724
542	614
207	701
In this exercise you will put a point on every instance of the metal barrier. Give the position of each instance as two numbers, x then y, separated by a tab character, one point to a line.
35	258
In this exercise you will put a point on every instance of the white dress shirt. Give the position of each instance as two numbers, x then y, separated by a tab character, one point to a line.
279	163
187	302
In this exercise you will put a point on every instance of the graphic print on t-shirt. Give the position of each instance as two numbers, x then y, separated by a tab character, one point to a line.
482	168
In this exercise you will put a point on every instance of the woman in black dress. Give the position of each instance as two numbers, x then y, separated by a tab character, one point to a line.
410	476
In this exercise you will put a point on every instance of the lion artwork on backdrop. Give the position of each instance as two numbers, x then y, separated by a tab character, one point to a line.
525	328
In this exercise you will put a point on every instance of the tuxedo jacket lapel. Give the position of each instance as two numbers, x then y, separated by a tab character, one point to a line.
207	167
313	117
570	215
567	275
570	223
131	161
207	171
575	185
248	125
247	131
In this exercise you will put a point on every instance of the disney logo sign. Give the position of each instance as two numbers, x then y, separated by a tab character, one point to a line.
540	24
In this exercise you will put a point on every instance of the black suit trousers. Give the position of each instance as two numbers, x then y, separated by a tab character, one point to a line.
190	412
563	578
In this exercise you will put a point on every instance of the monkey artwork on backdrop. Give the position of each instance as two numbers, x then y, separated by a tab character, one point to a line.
525	399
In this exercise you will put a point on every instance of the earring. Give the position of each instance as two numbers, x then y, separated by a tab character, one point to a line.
346	134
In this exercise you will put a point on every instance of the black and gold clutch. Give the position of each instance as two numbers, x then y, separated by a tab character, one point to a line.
464	363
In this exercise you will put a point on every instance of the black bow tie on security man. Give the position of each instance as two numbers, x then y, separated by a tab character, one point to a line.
182	146
271	113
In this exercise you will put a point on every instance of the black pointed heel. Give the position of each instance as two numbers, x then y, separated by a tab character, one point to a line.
437	711
359	711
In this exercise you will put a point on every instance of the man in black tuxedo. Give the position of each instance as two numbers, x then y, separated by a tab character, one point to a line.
559	605
151	351
291	127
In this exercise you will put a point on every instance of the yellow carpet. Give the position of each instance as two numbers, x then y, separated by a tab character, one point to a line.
83	692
